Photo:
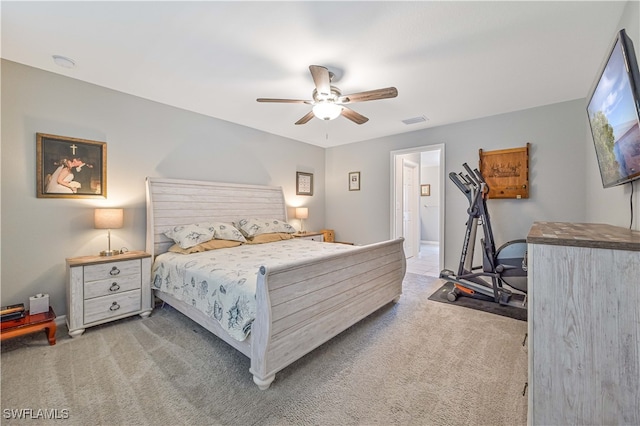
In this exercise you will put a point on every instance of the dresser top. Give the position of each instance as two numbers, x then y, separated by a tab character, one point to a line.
595	235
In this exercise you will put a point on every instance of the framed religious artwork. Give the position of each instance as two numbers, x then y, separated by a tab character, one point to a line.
304	183
354	181
70	167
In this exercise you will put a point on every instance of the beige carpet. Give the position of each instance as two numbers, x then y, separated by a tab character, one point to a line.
418	362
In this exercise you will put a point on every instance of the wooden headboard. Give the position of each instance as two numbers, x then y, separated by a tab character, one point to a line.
172	202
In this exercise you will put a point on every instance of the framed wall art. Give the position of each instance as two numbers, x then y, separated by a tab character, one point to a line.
425	190
354	181
304	183
506	171
70	167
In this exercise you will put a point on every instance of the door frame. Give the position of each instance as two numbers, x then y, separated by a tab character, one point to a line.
394	192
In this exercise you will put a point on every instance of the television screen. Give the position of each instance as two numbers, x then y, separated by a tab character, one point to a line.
614	114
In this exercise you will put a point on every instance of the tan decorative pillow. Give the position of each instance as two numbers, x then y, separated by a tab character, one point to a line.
206	246
269	238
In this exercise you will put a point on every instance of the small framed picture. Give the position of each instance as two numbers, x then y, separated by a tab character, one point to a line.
354	181
425	190
304	183
70	167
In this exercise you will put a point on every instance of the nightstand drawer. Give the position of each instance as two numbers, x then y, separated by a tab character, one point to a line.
105	271
111	286
105	307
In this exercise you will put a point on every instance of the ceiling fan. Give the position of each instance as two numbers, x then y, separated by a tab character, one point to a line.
329	102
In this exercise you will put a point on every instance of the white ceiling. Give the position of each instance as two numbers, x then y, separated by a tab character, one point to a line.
450	61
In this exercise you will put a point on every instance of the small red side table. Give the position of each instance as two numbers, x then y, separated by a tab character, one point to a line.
30	324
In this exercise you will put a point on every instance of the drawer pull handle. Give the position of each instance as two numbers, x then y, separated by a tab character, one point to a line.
114	287
114	306
114	271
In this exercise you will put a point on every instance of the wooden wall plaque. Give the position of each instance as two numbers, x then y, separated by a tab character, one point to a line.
506	171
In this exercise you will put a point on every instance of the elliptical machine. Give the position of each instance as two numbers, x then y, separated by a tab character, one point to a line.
507	265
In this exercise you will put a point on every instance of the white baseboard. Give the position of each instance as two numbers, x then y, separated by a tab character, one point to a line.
61	320
432	243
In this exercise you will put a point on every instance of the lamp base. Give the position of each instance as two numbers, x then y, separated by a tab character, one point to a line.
110	252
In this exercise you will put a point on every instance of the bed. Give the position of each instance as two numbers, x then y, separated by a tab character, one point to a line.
299	303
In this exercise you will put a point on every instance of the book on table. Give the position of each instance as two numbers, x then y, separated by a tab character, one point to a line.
12	312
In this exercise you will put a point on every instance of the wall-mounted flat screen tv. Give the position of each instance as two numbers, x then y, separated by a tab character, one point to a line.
614	114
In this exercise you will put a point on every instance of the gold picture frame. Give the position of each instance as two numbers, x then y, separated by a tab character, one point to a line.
304	183
70	167
425	190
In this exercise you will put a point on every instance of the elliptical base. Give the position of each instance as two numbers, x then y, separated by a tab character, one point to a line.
462	287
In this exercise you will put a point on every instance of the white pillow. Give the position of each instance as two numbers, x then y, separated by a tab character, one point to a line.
226	231
187	236
252	227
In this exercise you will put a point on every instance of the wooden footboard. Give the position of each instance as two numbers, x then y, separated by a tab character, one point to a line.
300	306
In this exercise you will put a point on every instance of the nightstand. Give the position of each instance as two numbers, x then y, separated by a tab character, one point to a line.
101	289
329	235
313	236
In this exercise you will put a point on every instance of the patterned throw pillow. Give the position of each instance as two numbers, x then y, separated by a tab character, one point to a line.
252	227
190	235
226	231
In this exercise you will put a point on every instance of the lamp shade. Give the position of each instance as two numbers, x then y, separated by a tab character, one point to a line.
108	218
302	212
326	110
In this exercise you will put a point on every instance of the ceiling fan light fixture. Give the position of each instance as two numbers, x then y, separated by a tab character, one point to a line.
327	110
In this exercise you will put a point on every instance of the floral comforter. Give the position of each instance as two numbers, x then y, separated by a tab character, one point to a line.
222	283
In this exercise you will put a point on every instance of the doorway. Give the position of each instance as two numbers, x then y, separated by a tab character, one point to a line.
417	210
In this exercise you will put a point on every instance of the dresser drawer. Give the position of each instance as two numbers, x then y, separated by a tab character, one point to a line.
101	308
114	285
109	270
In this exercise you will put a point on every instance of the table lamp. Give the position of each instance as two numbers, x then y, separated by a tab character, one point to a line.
302	213
108	219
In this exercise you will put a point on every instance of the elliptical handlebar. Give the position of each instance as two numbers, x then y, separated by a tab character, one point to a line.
471	174
462	186
477	178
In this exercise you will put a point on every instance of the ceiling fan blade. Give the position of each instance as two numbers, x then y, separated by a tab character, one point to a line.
371	95
321	79
353	116
306	118
284	101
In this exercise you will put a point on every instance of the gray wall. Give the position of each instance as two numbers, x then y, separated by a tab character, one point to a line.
611	205
557	175
430	206
143	139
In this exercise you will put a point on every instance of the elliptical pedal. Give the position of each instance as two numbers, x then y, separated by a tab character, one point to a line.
504	298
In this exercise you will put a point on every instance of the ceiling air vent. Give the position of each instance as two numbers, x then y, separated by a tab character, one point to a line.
415	120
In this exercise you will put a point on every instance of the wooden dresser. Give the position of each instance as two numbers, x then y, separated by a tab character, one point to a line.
102	289
583	324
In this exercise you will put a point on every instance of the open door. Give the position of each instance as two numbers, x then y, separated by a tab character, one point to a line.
410	212
403	215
